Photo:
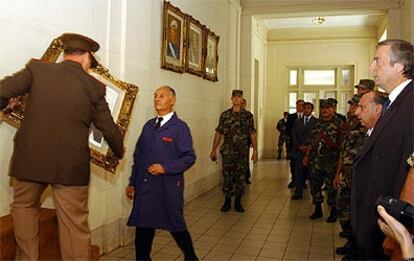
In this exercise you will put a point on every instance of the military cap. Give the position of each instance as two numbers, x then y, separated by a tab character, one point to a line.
355	99
366	83
78	41
332	101
237	93
325	103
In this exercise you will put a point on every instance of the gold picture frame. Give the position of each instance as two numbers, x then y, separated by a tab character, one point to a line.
194	62
120	97
211	55
174	35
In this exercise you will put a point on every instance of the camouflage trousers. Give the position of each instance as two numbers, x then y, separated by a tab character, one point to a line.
281	141
317	179
344	197
235	167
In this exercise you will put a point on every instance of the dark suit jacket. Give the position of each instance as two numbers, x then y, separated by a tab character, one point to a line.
381	169
51	145
301	134
289	125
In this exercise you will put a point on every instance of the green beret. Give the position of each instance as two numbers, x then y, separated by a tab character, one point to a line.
78	41
332	101
237	93
325	103
366	84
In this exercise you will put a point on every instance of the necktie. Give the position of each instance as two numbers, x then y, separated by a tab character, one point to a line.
385	106
159	120
306	121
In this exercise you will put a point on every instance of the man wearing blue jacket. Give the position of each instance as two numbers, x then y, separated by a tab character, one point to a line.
162	154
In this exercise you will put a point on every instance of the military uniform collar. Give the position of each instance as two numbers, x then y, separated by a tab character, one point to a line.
73	63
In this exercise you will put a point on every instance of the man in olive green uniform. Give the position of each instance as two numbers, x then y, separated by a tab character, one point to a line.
281	127
352	139
325	147
51	145
237	127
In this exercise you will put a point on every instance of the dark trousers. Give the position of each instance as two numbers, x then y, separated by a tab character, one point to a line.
145	236
300	175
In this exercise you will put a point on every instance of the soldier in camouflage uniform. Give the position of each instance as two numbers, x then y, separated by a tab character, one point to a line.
281	127
325	145
352	140
237	126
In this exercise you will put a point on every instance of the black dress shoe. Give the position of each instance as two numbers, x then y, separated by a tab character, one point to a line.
291	185
345	234
296	197
348	249
353	256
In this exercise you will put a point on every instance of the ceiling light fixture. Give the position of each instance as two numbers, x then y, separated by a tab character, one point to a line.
318	20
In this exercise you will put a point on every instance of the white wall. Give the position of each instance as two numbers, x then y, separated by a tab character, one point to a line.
253	48
129	32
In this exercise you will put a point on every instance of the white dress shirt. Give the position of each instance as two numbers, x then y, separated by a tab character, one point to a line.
165	118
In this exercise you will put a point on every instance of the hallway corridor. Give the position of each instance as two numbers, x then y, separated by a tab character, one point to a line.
273	227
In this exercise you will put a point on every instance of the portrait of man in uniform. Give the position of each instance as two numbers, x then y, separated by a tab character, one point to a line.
194	48
174	38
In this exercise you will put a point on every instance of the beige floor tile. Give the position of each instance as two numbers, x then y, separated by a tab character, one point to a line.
208	238
320	257
328	250
242	257
120	252
295	255
275	245
169	250
213	255
252	243
271	253
248	251
204	244
225	248
163	257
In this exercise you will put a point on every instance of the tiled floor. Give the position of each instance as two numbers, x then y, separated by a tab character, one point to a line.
273	227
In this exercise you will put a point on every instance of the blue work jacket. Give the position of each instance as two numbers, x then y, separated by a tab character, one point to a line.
159	200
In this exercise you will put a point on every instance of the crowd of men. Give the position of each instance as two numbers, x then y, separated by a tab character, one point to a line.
359	157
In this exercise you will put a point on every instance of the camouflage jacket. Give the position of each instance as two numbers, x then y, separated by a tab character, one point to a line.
236	128
281	127
325	142
352	139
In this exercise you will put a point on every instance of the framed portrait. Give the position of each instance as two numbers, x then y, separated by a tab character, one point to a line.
119	95
194	62
173	42
211	56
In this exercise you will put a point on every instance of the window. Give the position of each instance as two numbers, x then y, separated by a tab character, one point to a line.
345	78
293	77
314	83
319	77
293	97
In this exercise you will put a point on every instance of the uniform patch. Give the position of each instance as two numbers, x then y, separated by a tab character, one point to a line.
167	139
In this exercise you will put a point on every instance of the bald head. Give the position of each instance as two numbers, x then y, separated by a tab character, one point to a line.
164	100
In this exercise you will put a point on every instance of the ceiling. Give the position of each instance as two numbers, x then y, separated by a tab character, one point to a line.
330	21
277	14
